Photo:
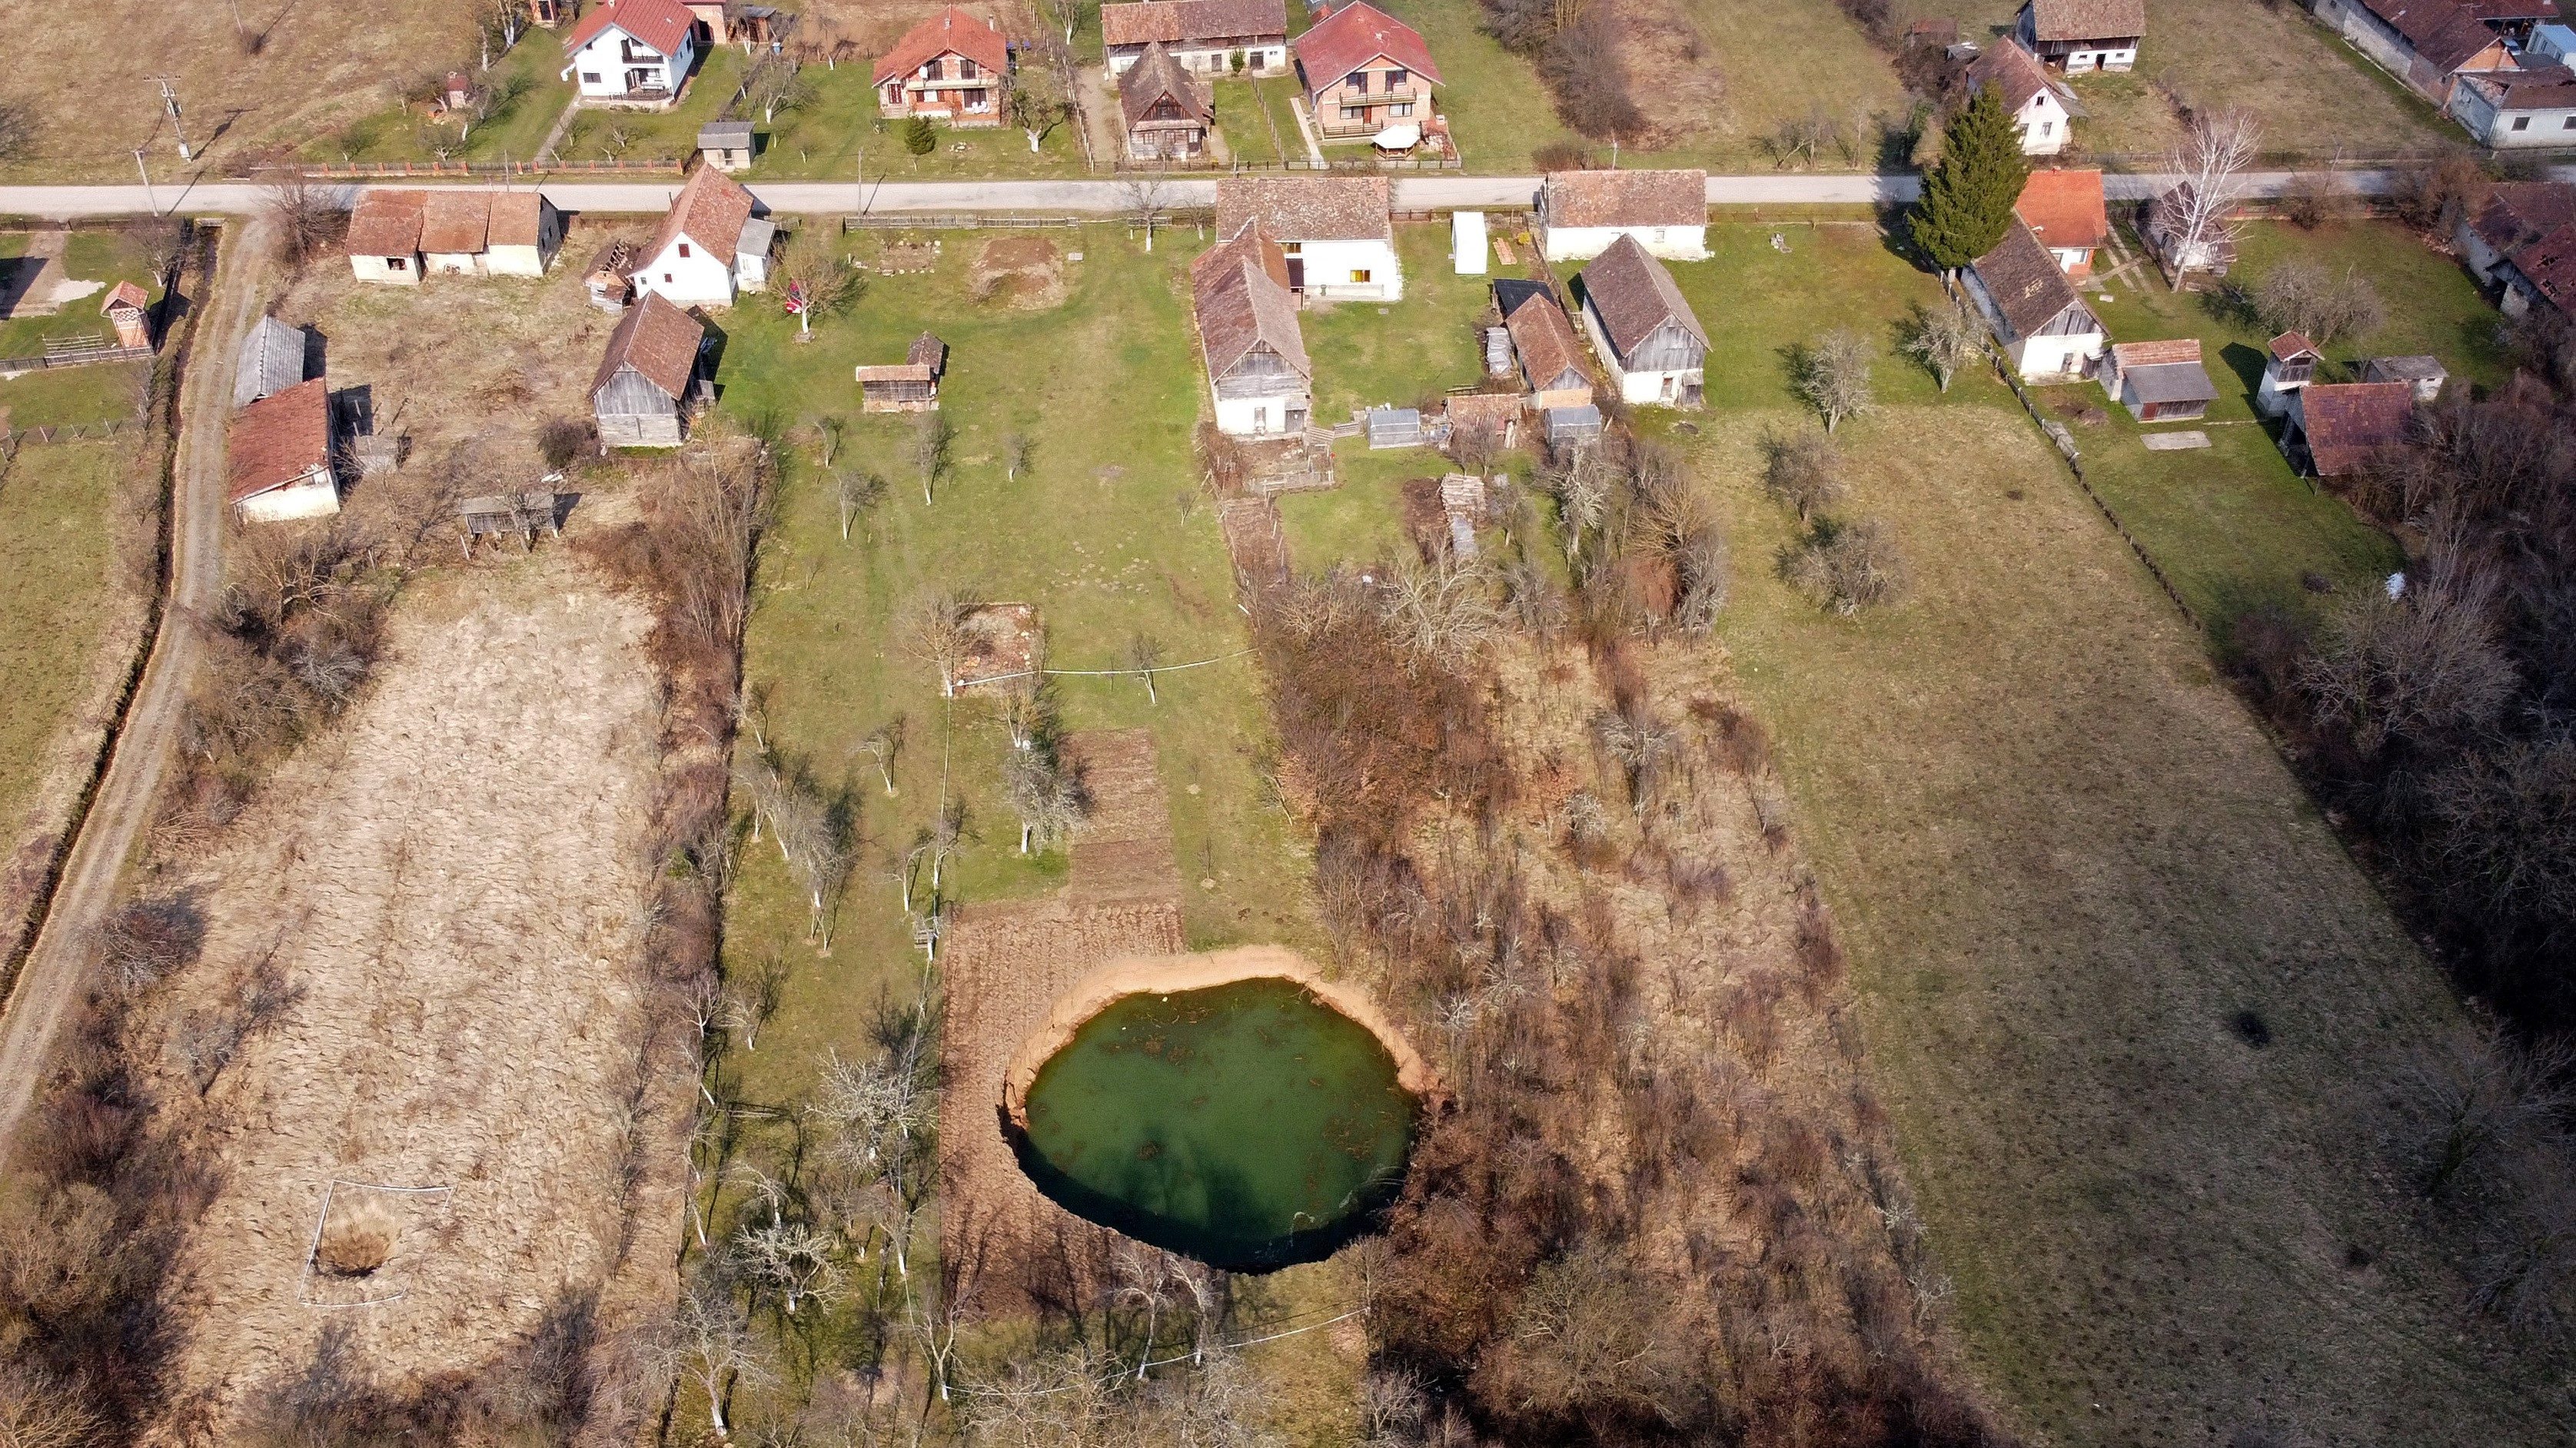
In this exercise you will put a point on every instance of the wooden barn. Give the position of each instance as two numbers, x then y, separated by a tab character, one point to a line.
910	386
1551	359
1649	339
649	376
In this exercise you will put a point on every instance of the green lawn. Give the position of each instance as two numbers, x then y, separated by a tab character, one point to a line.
529	77
1756	301
1401	353
76	396
1496	107
600	134
56	506
1107	535
1239	114
104	254
837	135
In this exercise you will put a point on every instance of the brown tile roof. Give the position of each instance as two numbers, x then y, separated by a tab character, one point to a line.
2544	88
125	294
1542	337
456	222
1306	208
2010	69
709	211
1626	198
2125	355
2346	422
661	24
2550	266
2065	208
950	30
2088	19
923	361
279	439
518	218
1239	292
2025	283
2292	345
1353	36
2444	34
1155	76
1633	295
387	223
2521	211
658	340
927	351
2492	10
1174	21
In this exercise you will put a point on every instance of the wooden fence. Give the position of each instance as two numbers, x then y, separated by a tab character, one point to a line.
965	221
18	437
359	170
72	357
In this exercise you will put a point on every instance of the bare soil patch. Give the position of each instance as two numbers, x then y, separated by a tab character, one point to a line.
1025	272
1001	644
451	884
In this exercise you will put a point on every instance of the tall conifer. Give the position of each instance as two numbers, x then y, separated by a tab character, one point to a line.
1968	197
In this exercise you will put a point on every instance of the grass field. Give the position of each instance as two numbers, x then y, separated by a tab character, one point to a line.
55	550
2064	860
1367	354
107	256
1258	138
2312	94
528	78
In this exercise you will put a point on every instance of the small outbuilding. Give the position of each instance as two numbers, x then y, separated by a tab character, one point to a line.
649	376
1392	427
384	236
278	457
910	386
2425	374
128	309
726	145
2159	381
455	225
1551	360
606	279
2167	221
1467	248
1570	427
526	232
1645	332
2289	363
2336	428
271	361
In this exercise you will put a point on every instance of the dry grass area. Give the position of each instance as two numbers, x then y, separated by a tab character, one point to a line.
1719	76
2070	870
451	886
319	67
874	25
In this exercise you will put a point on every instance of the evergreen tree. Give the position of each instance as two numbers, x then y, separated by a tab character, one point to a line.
1968	198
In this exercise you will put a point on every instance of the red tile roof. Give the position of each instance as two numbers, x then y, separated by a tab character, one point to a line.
1353	36
709	211
2065	208
659	24
658	340
456	222
2550	265
2441	31
950	31
2521	211
1176	21
387	223
124	294
1625	198
2025	283
2125	355
2290	346
2345	422
518	218
279	439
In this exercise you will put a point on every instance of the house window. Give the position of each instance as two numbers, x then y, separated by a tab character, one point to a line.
930	70
1292	248
666	278
1401	108
1354	113
1359	276
894	94
1359	82
1395	79
590	77
2045	127
965	69
2522	123
397	263
684	248
2568	125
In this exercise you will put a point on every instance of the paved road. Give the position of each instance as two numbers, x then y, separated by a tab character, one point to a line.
1412	193
52	979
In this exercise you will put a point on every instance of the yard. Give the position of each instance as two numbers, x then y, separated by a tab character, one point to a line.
2065	862
837	135
528	94
1400	353
2313	95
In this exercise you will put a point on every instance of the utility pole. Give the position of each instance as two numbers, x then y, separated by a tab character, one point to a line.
170	101
148	203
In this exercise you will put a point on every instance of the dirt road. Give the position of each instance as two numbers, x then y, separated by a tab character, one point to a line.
51	980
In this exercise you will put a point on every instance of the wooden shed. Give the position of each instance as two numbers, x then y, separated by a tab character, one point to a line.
911	386
1551	360
128	309
648	377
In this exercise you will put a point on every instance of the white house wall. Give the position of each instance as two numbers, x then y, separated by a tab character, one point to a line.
2047	359
1582	243
2080	61
514	261
1642	388
2043	126
693	280
453	263
1329	264
379	269
605	57
1258	416
2554	126
1265	59
2479	257
311	498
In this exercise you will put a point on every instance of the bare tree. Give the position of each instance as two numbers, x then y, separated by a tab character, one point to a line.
1443	612
706	1341
1145	655
884	744
1019	454
2300	296
2208	165
1045	796
751	995
816	279
931	439
854	492
1146	201
2421	666
1944	339
305	217
791	1259
935	632
1805	471
1833	375
1847	567
1036	103
1641	745
1581	485
39	1410
2474	1098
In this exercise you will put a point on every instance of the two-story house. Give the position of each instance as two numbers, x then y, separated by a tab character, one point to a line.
709	247
1208	37
1333	232
948	68
634	52
2076	36
2042	108
1363	70
1258	373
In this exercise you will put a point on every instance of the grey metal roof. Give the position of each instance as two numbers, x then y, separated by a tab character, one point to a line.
721	134
2170	382
756	236
272	360
2403	369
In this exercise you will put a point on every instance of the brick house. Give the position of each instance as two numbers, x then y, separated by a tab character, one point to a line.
1364	70
948	68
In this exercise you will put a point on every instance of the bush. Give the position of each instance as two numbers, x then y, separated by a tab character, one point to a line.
2437	194
2299	296
562	439
2310	200
1564	156
1583	71
918	137
1805	472
1847	567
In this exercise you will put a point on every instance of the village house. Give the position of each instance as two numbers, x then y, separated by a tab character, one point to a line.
1551	360
271	360
2043	325
948	68
383	240
2064	209
632	52
2159	381
2539	272
710	245
1363	70
2509	109
1581	212
2516	214
1648	339
649	376
453	229
726	145
2289	364
1258	373
1166	113
524	234
2076	36
1334	231
909	386
278	456
2042	108
2428	44
2164	232
128	309
1209	37
2336	428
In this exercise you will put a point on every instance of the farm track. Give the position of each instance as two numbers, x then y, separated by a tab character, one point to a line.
51	978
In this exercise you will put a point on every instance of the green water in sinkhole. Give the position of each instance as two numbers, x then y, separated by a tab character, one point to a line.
1249	1125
